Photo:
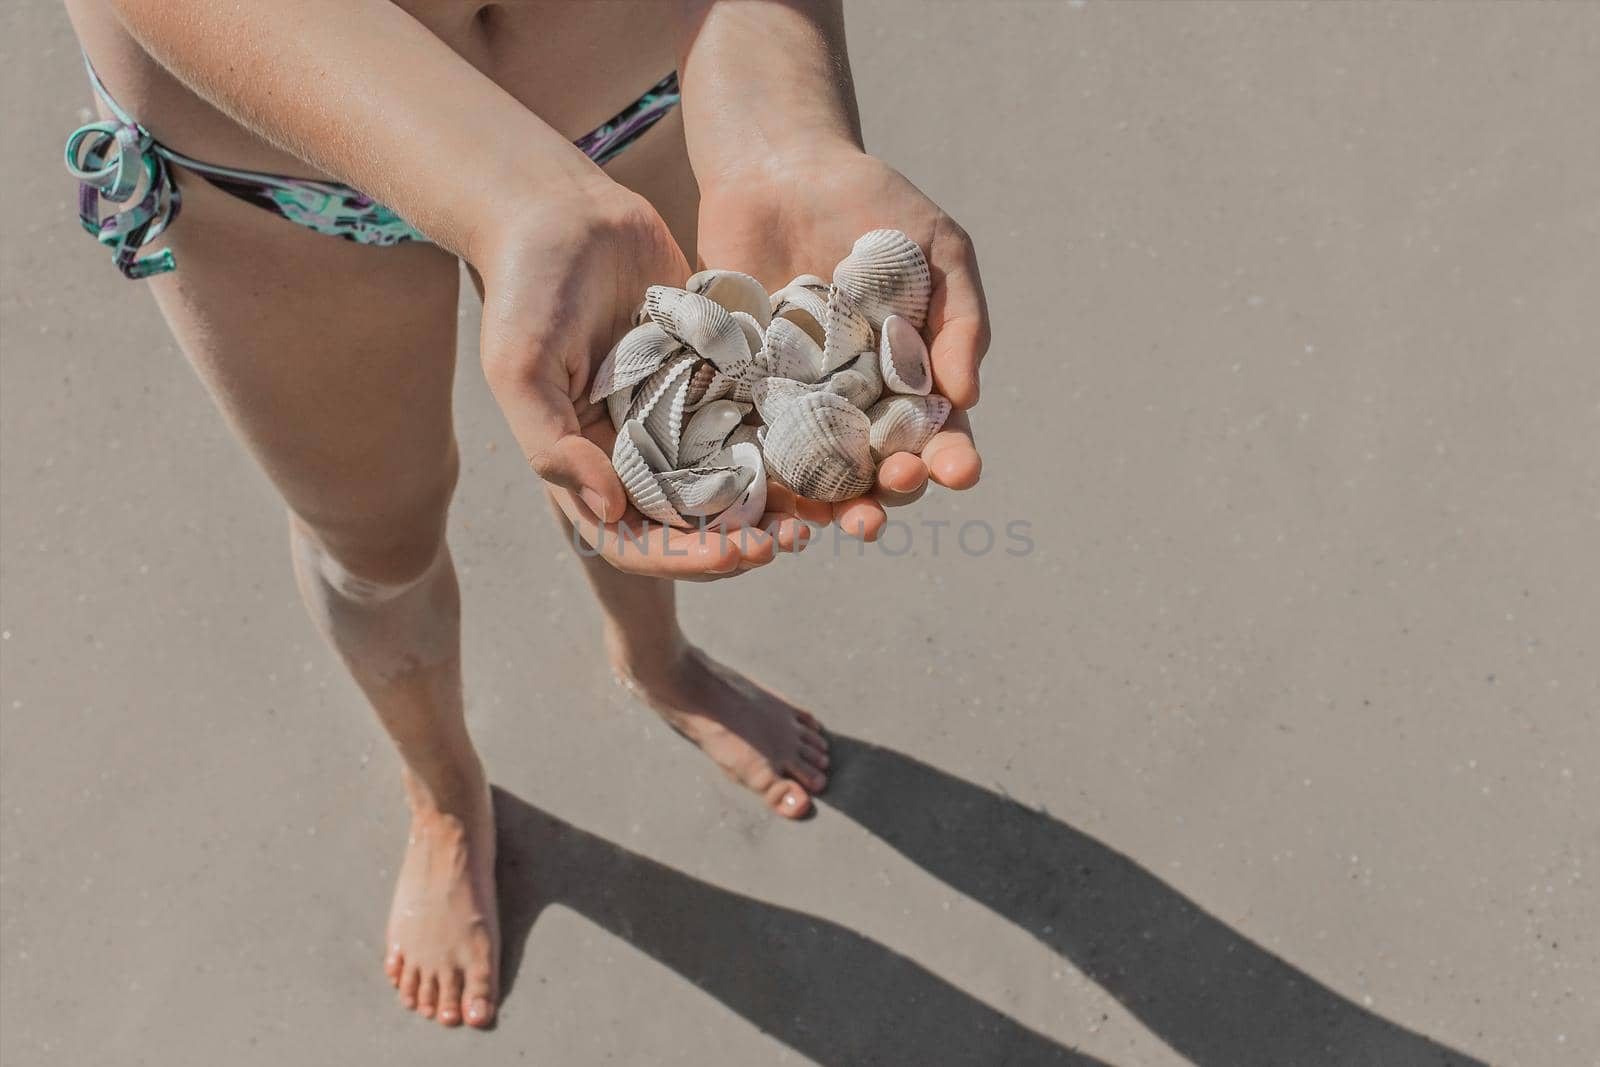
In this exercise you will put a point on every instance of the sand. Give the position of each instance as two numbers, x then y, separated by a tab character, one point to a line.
1277	748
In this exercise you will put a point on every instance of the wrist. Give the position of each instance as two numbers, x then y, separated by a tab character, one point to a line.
797	150
565	210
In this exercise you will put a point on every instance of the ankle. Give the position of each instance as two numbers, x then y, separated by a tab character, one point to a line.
658	656
459	790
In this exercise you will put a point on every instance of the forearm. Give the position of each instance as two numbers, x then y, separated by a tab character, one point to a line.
761	77
367	94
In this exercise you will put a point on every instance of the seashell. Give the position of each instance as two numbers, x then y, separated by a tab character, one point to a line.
704	326
752	502
661	402
903	358
789	352
752	330
734	291
846	332
638	461
902	423
812	282
617	405
885	274
805	307
774	396
706	432
631	360
744	434
858	383
818	447
701	492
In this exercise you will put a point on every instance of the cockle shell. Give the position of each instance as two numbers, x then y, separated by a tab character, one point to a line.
752	502
617	405
706	327
901	423
638	461
708	430
631	360
860	383
846	333
773	396
751	329
804	306
818	447
735	291
789	352
885	274
731	493
701	492
661	402
903	358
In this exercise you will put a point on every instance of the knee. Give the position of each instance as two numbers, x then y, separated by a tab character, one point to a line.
372	556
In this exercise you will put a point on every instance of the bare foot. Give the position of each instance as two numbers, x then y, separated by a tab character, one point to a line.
444	931
759	739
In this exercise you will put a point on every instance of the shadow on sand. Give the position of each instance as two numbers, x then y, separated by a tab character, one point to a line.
840	998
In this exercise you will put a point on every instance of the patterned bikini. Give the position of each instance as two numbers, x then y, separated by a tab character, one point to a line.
115	159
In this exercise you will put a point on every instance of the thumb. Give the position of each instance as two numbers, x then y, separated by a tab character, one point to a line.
545	424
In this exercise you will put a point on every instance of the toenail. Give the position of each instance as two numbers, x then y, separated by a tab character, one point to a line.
479	1010
789	799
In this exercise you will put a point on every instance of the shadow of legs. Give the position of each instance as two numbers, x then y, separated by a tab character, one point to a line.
1210	993
829	993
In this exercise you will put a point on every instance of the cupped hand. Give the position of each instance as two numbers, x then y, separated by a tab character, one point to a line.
797	210
560	282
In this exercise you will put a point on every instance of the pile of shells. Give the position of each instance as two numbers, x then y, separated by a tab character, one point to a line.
721	384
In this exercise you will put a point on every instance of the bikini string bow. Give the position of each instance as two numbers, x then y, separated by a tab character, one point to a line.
114	159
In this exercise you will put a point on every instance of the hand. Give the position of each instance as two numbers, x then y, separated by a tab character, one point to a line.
797	211
560	282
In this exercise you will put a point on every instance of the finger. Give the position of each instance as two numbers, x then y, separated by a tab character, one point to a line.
958	318
817	512
545	424
902	479
791	533
952	458
638	546
861	518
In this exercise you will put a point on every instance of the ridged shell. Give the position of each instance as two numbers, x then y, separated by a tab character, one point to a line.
859	383
752	330
774	396
847	334
701	383
632	456
661	402
617	405
708	429
789	352
752	503
818	447
631	360
805	307
903	358
734	291
905	423
885	274
701	492
744	434
704	326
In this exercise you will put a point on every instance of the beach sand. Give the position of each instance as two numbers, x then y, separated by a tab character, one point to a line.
1277	748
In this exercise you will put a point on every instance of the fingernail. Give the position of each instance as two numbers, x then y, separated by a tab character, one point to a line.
596	503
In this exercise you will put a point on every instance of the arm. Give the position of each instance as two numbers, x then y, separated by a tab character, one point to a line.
774	137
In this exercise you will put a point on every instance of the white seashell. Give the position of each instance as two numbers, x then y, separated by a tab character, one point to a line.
706	432
773	396
631	360
701	492
789	352
905	423
846	332
661	402
744	434
638	461
752	503
617	405
812	282
734	291
752	330
805	307
903	358
818	448
702	325
858	383
885	274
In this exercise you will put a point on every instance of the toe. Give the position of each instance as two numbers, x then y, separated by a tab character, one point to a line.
394	965
450	999
788	799
428	997
410	979
807	775
817	757
807	719
479	996
813	739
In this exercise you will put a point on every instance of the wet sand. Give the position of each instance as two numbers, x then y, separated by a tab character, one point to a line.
1277	748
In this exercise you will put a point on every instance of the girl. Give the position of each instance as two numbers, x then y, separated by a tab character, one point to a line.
550	147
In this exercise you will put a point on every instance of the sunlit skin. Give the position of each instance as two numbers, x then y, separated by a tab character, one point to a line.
334	361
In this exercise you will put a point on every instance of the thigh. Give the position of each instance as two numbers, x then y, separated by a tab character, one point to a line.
333	362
